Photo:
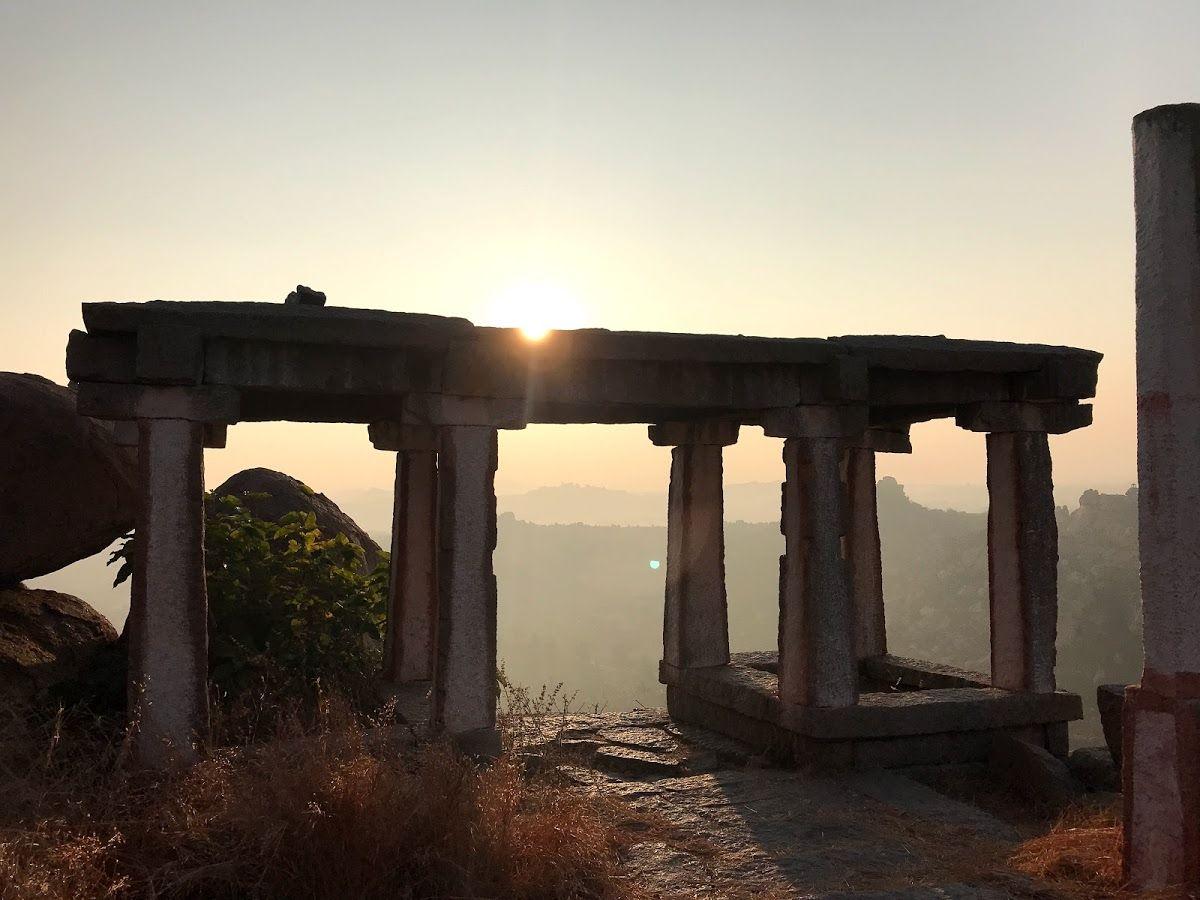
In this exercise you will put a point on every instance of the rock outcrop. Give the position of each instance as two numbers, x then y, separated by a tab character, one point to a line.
48	641
67	490
286	494
1042	779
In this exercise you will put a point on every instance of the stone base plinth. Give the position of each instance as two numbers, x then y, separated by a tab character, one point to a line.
909	713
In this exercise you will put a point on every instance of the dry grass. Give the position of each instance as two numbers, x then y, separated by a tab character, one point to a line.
1080	857
327	808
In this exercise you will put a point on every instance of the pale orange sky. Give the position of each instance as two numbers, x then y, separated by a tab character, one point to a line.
767	168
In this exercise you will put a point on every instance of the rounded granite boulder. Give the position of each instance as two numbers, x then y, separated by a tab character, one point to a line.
67	490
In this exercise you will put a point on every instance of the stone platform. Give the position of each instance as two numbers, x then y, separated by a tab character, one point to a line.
909	712
709	816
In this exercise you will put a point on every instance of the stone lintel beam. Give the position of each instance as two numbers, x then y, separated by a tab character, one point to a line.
713	432
396	436
816	421
216	434
125	434
169	354
846	379
447	409
101	357
133	401
1047	418
882	440
1058	379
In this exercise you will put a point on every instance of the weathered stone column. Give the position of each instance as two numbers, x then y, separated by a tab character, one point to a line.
696	618
410	644
1161	756
168	646
167	679
1022	561
818	665
863	549
465	686
1022	536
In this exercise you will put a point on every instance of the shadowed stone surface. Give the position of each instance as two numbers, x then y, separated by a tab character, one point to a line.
67	490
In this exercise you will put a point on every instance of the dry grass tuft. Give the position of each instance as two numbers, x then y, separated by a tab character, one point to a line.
330	807
1081	857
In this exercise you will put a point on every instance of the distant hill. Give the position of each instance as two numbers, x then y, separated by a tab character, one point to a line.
754	501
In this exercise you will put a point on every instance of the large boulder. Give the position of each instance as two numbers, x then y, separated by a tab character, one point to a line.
1094	767
1033	772
284	494
48	642
66	489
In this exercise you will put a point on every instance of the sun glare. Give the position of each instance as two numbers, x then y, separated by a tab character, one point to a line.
537	308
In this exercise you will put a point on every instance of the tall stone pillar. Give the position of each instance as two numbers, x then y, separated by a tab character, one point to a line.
1022	535
168	648
818	663
410	642
696	619
1161	756
862	536
1022	561
865	557
465	686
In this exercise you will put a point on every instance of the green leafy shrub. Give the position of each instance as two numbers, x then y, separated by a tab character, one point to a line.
285	601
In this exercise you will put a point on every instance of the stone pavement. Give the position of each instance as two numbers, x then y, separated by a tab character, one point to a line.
727	825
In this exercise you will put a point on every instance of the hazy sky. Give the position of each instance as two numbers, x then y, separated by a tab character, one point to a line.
764	168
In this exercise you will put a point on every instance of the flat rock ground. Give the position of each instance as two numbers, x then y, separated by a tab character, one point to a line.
718	822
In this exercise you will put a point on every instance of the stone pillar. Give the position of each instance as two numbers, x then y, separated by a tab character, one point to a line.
818	664
168	648
1022	535
1161	753
410	644
863	550
864	555
865	558
1022	561
465	686
696	619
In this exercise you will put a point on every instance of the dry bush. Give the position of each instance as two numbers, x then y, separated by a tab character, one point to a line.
332	806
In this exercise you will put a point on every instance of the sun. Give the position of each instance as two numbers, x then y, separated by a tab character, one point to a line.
537	308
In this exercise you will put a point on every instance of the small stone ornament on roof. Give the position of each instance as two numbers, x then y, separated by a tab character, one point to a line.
305	296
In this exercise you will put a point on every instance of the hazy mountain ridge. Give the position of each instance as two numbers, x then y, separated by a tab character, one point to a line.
751	501
605	640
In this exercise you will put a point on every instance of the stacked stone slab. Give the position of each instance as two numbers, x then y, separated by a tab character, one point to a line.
436	391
